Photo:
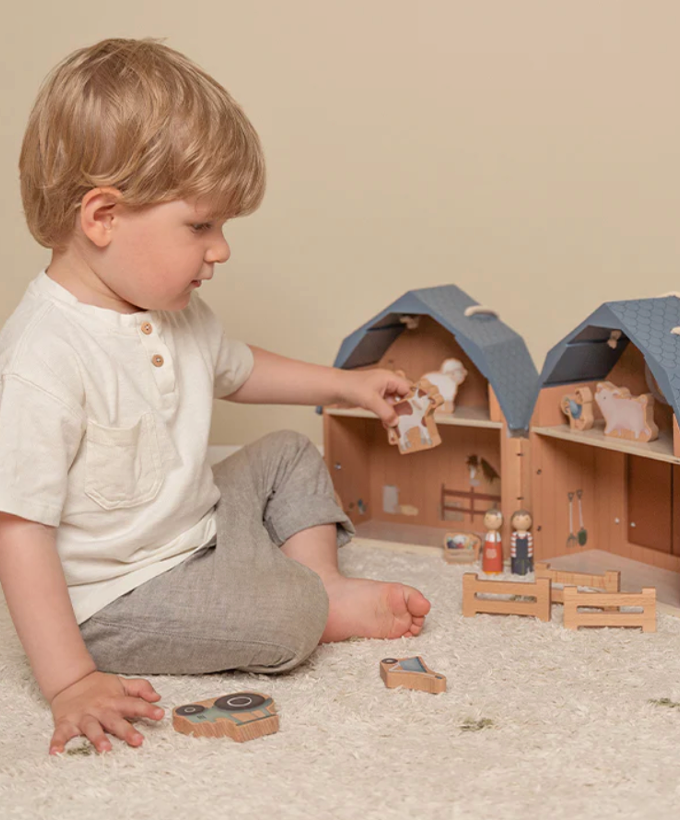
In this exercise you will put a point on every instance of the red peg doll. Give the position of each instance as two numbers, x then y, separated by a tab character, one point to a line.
492	552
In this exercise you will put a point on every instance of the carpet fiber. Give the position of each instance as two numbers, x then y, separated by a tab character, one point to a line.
537	721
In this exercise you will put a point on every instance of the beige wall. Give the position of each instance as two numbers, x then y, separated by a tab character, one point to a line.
525	151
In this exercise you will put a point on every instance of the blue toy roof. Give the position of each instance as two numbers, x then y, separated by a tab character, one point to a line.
495	349
584	354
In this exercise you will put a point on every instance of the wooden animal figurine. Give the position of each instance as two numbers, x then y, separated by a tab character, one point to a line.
241	716
461	547
578	407
521	543
626	416
447	381
492	551
415	413
411	673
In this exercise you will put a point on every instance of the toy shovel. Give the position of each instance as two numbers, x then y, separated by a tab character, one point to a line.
583	532
572	541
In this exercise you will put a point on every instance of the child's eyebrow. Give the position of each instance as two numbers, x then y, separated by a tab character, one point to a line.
213	216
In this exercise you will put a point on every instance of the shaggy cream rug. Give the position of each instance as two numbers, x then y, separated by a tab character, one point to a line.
537	722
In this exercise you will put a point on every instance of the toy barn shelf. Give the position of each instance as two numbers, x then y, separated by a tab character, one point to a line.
463	416
661	449
414	499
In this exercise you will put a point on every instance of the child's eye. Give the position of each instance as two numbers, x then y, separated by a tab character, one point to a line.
202	227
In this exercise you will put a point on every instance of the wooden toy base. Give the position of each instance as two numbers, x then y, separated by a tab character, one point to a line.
241	716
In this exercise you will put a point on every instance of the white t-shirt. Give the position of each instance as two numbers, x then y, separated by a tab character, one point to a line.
104	424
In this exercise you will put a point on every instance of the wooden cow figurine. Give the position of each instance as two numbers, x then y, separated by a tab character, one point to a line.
415	413
626	416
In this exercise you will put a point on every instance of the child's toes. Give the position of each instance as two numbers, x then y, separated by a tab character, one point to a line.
417	604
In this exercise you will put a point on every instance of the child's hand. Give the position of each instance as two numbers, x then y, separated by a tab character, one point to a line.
376	390
101	702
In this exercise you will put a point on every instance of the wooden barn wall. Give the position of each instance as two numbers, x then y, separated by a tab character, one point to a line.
362	462
422	350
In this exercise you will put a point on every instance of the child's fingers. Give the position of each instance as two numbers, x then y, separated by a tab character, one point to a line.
404	387
385	412
118	726
140	688
62	734
134	707
398	384
91	727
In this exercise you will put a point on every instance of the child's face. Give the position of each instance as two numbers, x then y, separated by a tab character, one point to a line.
150	260
157	257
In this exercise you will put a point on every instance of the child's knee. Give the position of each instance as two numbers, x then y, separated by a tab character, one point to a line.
297	626
289	442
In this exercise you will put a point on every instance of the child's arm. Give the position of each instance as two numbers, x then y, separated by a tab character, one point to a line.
278	380
82	699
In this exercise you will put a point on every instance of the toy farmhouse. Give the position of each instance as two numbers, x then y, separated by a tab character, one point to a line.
605	446
484	372
590	447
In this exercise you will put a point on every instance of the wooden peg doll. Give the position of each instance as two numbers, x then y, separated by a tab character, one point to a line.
492	552
521	543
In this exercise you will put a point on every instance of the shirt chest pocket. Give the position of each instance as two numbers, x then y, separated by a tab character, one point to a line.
123	464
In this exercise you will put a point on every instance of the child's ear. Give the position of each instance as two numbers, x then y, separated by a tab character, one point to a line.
97	214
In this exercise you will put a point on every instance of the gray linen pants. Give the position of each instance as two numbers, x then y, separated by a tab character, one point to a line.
238	602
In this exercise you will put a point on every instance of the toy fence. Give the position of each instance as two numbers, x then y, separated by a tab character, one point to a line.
472	605
609	582
472	511
611	601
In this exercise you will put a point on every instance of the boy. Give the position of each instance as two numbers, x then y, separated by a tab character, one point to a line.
121	551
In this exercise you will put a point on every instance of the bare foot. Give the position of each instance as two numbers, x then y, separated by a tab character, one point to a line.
372	609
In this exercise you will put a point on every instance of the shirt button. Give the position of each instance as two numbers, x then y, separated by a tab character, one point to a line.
147	328
157	360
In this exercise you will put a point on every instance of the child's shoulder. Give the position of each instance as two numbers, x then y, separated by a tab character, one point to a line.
37	345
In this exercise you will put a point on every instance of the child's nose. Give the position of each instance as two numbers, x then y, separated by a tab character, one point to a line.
219	252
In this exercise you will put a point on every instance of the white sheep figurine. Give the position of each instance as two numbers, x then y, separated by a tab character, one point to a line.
447	381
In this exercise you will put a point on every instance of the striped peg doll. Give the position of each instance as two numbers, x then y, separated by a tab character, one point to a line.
521	543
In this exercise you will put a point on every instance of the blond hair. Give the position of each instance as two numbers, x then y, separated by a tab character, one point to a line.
140	117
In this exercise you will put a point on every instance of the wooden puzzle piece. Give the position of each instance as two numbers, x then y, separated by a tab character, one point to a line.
416	429
241	716
411	673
